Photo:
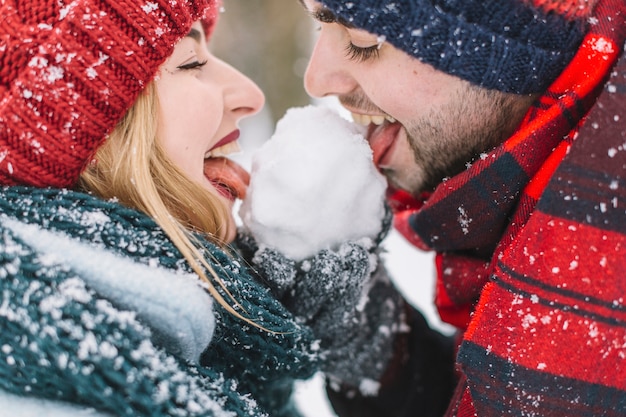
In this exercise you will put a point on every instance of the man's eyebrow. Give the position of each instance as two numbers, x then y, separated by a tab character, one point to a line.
325	15
195	34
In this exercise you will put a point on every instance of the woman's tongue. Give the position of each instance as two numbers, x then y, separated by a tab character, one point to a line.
228	177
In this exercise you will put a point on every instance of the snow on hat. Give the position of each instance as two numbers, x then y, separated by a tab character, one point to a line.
70	69
516	46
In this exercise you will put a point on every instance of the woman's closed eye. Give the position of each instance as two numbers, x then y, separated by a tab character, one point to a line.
192	65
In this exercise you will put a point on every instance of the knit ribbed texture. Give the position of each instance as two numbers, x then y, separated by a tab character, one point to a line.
507	45
70	70
56	345
241	359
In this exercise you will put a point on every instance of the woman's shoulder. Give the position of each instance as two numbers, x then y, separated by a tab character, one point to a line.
113	247
74	313
51	233
61	339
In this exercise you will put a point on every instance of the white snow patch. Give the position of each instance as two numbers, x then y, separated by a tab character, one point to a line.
313	185
149	7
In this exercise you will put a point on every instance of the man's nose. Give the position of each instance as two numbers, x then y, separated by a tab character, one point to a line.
328	72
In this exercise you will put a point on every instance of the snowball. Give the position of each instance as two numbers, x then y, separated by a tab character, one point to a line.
313	185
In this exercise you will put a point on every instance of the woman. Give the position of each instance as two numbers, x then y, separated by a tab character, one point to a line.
101	303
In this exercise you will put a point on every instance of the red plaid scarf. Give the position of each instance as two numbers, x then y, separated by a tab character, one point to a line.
531	240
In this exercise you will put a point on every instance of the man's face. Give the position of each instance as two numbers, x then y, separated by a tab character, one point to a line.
424	125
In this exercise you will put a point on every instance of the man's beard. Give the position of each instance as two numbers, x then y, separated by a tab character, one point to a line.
449	139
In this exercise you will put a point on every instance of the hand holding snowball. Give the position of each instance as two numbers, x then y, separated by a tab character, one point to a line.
313	217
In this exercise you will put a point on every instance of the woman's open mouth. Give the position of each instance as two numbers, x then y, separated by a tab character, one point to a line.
228	177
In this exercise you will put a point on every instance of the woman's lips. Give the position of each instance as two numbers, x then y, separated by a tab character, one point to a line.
381	139
231	137
227	176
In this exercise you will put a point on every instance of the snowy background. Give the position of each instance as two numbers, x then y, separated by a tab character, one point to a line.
412	270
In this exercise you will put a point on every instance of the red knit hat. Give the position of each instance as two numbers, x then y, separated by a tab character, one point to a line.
70	69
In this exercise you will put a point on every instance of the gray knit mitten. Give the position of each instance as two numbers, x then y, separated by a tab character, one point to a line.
345	296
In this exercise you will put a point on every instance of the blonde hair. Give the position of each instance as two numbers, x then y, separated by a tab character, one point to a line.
132	167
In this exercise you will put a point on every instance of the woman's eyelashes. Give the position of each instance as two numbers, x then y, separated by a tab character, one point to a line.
361	54
192	65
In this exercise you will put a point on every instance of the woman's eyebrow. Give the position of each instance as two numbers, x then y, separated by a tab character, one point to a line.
195	34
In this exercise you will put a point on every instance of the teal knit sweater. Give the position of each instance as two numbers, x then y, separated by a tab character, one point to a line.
99	309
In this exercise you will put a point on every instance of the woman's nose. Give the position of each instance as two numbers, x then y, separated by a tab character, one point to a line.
243	96
328	72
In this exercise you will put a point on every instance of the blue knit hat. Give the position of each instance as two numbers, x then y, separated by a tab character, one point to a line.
515	46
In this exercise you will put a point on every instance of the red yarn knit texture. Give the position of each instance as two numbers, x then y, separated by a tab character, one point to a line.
70	70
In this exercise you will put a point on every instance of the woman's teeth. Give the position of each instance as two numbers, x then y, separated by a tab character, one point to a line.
366	119
229	148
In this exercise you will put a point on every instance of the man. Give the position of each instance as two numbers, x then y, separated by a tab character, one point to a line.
504	144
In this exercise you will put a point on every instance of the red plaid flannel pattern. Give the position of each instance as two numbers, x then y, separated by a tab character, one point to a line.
531	257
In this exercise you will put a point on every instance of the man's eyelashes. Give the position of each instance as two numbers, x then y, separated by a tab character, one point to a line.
360	54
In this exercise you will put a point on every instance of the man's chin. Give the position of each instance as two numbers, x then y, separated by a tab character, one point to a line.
412	186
